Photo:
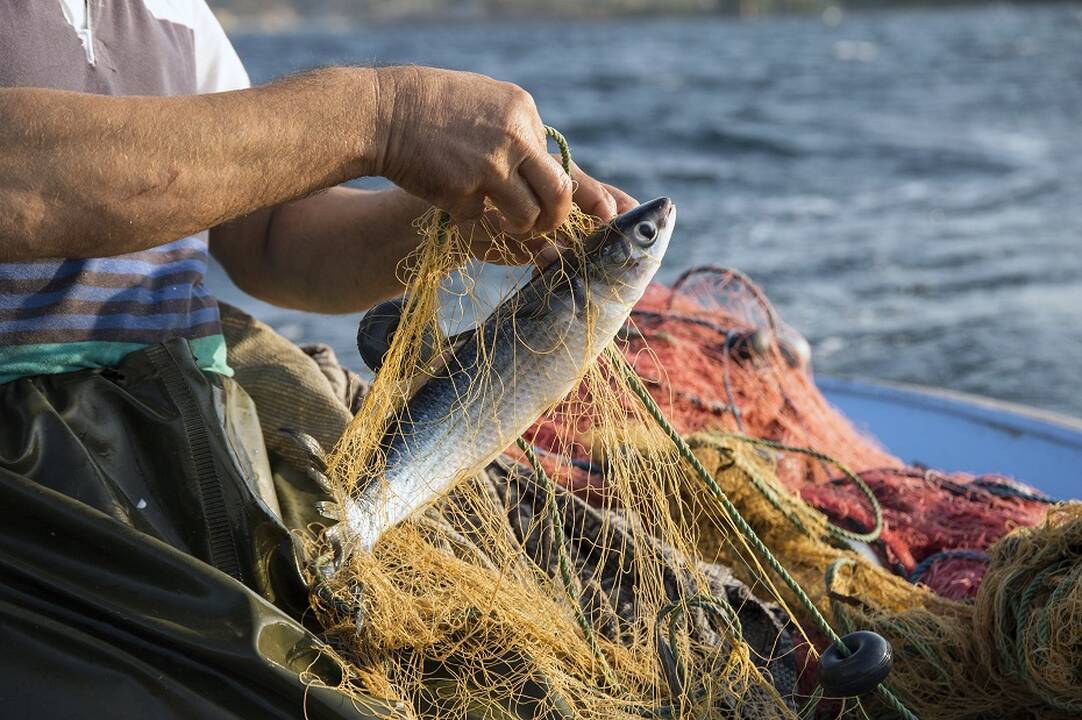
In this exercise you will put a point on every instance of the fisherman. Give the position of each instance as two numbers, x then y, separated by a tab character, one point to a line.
130	144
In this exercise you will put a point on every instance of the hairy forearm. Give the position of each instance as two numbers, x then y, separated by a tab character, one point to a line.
87	176
337	251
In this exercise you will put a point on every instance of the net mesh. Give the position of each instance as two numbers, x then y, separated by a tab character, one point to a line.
589	574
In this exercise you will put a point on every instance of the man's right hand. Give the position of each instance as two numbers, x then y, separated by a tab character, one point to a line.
457	138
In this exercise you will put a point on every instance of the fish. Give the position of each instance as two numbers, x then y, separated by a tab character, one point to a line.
528	354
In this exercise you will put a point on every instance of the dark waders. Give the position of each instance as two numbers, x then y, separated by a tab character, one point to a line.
145	570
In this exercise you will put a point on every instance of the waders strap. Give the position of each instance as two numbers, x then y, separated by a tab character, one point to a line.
222	545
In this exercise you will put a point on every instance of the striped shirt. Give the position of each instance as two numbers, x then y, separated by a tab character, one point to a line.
69	314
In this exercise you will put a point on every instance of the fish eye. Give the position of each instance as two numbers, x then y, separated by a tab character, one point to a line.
645	233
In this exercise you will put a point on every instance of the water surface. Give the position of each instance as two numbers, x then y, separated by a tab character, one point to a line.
906	185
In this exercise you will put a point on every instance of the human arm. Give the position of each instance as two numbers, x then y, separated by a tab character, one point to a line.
87	176
334	252
339	251
84	175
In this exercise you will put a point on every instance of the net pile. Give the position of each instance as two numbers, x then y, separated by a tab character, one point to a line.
717	357
936	527
512	598
627	589
1012	652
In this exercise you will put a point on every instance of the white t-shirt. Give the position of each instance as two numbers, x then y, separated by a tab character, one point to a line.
217	66
62	315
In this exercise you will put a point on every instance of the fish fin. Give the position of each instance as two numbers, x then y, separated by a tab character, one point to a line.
534	299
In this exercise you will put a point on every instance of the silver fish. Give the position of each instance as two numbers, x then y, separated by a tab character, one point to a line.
527	356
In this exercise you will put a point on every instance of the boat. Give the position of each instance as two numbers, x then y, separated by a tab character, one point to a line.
959	432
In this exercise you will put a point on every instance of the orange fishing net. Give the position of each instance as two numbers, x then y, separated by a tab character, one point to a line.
716	357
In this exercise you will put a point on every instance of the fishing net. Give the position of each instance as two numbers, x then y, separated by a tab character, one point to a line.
517	599
714	352
1013	652
609	568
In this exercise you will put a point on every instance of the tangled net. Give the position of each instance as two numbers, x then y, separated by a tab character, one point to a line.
482	608
595	573
714	353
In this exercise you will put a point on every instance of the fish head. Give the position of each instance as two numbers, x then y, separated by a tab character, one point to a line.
623	256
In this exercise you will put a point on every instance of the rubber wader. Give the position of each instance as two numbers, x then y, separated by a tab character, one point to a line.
145	568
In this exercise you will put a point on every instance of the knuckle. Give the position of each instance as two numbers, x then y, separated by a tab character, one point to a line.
520	103
525	98
516	91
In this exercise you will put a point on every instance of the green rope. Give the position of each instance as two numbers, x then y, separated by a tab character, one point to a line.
1020	602
635	385
561	142
767	491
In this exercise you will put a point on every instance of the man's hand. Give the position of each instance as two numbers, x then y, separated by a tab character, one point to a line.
451	139
137	172
455	139
593	197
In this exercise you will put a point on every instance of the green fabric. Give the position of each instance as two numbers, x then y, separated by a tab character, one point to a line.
55	358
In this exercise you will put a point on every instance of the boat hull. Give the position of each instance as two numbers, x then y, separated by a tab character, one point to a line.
957	432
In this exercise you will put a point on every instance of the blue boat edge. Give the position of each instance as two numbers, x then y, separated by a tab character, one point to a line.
958	432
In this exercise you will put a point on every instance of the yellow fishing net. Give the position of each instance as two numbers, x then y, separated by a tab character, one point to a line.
509	597
453	613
